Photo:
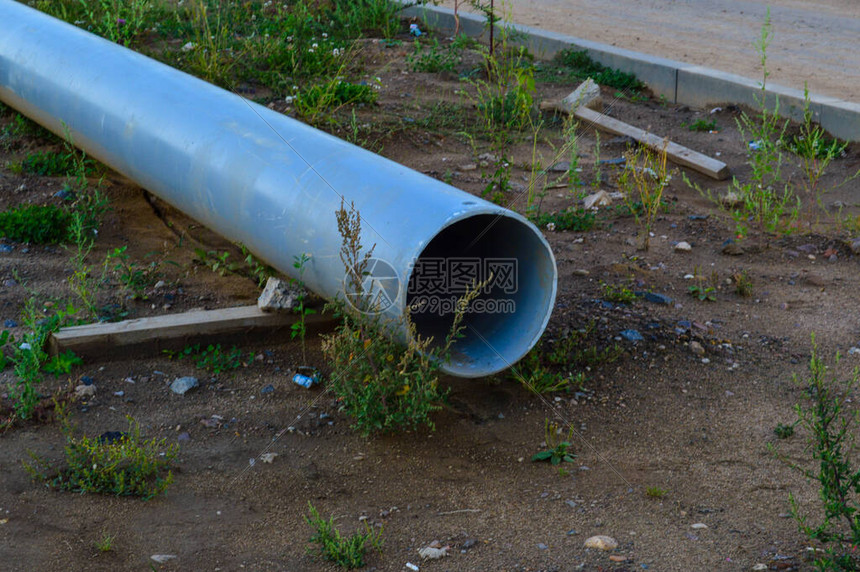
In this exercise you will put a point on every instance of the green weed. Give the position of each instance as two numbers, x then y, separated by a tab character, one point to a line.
557	450
656	492
783	431
105	543
573	218
124	466
429	57
347	552
620	294
642	182
36	224
828	419
701	125
577	64
381	384
298	329
212	358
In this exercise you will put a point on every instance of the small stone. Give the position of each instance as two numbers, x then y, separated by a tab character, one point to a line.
86	380
9	283
184	436
581	272
10	324
760	566
542	546
598	199
188	47
162	558
268	457
732	248
617	558
182	384
6	248
814	280
159	285
278	295
268	389
854	245
432	553
560	167
631	336
697	348
655	298
469	543
683	246
699	526
586	95
82	391
601	542
468	167
119	393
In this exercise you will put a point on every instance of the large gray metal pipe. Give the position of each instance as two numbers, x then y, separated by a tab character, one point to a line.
274	184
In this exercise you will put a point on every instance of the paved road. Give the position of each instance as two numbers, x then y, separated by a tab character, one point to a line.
814	41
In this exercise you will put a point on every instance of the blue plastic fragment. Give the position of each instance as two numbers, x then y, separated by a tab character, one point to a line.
631	336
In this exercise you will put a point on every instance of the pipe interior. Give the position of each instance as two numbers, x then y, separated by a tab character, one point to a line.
504	322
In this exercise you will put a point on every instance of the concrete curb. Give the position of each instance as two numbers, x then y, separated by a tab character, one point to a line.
676	81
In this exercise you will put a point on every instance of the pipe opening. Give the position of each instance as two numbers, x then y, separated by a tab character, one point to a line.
509	315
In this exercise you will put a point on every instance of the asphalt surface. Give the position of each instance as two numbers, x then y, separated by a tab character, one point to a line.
814	41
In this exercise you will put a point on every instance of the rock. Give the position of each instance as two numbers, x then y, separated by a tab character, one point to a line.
683	246
268	457
617	558
631	336
560	167
433	553
760	566
814	280
182	384
697	348
162	558
580	272
542	546
655	298
268	389
188	47
601	542
487	158
598	199
468	167
6	248
119	393
732	248
470	544
699	526
854	245
9	283
586	95
82	391
10	324
278	295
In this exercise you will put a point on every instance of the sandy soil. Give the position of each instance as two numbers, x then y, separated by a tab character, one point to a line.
814	41
696	425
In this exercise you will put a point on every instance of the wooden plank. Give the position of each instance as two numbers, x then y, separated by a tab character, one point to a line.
173	330
676	153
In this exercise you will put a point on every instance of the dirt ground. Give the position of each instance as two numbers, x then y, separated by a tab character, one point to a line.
813	41
694	424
